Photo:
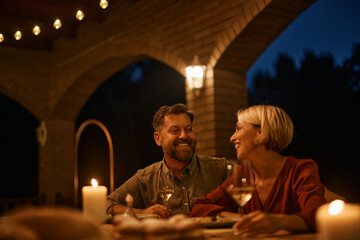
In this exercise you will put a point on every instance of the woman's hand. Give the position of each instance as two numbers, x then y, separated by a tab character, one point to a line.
257	223
262	224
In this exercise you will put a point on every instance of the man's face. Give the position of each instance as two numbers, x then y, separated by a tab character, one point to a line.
176	137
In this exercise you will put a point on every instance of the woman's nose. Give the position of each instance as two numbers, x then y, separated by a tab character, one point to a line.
232	138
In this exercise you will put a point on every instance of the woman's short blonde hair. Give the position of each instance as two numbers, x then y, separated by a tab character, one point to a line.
277	128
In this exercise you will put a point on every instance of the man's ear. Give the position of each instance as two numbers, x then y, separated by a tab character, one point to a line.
157	138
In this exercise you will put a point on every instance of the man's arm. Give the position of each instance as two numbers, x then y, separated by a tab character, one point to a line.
157	209
117	203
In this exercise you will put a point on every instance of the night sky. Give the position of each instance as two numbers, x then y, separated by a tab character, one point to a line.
328	26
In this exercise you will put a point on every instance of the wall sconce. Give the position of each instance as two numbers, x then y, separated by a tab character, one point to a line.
41	133
195	75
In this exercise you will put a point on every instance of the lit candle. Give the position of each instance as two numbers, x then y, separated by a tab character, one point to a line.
94	201
338	221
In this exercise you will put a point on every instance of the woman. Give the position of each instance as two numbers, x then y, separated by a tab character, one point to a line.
288	190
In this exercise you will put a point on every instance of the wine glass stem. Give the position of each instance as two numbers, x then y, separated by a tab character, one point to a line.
241	210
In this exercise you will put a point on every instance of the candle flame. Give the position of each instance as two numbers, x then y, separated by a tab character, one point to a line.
94	183
336	206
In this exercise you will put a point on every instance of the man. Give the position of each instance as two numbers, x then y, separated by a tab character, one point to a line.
194	175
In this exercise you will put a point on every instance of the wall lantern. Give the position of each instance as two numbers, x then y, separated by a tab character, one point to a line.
195	75
41	133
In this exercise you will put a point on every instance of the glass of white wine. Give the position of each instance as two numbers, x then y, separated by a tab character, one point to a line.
166	187
241	185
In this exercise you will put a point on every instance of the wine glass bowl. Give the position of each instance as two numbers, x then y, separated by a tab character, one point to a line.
241	185
166	188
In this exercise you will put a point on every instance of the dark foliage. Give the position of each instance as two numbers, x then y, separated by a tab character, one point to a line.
324	102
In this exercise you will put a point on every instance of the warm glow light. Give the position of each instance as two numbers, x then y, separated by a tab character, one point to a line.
1	38
195	74
103	4
335	207
57	24
36	30
17	35
94	183
79	15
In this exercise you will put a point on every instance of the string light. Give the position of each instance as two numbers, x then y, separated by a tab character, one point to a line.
17	35
103	4
36	30
57	24
79	15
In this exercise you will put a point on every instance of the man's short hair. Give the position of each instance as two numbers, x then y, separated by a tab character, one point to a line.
179	108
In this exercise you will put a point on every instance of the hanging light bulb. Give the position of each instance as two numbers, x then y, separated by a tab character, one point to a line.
79	15
17	35
1	37
103	4
57	24
36	30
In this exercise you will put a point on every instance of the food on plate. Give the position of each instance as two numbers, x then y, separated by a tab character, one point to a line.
176	227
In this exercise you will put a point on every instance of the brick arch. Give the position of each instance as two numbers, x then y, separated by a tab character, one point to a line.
83	86
247	38
237	48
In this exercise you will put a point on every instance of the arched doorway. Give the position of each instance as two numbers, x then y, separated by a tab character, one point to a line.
18	151
125	104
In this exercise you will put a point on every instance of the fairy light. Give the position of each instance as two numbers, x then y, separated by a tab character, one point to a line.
103	4
80	15
36	30
17	35
57	24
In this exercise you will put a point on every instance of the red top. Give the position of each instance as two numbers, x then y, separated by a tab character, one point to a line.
297	190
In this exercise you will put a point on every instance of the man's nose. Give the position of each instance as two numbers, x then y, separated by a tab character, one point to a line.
183	134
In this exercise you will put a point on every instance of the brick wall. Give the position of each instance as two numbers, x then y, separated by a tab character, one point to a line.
228	36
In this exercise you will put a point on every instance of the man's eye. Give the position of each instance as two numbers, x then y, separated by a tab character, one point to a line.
189	130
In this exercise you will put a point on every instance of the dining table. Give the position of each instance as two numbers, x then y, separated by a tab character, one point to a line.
228	234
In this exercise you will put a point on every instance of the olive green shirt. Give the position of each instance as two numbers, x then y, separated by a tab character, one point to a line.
200	177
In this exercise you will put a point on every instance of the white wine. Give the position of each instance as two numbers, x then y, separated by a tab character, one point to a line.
166	194
241	195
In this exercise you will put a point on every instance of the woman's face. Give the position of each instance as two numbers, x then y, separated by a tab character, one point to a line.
243	139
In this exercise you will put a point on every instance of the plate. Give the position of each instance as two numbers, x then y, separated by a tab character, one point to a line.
139	216
143	216
214	222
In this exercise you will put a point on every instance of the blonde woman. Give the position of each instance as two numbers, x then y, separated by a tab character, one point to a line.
288	190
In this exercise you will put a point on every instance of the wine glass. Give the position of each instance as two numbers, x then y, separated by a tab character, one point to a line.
241	184
166	187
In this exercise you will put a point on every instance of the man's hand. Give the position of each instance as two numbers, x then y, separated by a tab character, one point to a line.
158	209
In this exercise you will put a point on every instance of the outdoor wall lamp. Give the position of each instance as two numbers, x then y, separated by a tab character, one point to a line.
195	75
41	133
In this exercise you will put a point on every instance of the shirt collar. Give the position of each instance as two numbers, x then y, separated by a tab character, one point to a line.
190	169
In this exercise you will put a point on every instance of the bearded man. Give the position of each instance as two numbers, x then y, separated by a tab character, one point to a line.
193	175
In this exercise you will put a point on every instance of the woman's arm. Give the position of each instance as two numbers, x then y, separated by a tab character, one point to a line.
213	203
258	223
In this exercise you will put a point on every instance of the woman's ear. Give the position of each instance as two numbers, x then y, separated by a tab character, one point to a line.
259	139
157	138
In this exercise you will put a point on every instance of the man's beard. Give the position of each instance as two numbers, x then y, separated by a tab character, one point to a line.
182	156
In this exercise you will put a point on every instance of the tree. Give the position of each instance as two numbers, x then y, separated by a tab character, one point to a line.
323	101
